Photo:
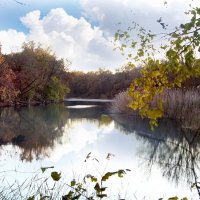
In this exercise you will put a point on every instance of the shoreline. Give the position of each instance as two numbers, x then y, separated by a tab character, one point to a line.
26	104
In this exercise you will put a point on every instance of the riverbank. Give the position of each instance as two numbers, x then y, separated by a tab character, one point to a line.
32	103
180	105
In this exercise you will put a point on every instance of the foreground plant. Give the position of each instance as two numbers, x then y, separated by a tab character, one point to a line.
81	189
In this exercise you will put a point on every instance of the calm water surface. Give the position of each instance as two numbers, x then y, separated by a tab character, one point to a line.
163	163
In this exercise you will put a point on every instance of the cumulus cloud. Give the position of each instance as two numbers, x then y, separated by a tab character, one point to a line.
11	40
89	47
75	39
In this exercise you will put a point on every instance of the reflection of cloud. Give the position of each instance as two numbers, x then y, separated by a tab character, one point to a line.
81	134
81	106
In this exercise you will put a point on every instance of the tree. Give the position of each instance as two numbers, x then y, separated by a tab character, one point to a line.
55	90
34	68
181	63
7	77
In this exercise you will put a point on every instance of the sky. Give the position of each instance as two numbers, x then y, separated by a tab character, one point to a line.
82	31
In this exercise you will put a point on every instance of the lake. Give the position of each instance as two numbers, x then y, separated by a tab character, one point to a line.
163	163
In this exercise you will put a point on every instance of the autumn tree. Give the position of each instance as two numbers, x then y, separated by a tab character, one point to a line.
7	78
35	69
181	48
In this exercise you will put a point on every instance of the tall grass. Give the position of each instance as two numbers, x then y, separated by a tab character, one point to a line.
180	104
120	104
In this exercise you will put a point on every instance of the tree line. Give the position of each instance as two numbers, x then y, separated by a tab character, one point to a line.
100	84
105	84
36	75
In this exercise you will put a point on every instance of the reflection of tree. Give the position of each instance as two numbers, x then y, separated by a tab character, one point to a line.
94	114
172	147
35	130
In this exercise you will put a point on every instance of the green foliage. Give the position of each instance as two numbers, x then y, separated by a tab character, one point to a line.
55	176
55	90
181	63
90	188
43	169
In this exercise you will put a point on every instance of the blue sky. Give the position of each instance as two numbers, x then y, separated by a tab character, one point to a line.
82	30
11	11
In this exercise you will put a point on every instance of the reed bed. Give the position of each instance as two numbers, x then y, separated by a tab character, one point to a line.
180	104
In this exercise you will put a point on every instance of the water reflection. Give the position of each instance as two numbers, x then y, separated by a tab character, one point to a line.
171	146
37	131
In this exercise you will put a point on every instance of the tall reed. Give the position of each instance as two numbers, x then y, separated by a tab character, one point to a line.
178	104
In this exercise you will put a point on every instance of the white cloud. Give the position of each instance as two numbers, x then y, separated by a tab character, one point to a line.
11	40
87	46
69	37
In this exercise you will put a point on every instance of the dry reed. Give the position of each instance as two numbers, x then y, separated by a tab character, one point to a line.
178	104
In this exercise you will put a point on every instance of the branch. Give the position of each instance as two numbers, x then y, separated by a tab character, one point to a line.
23	4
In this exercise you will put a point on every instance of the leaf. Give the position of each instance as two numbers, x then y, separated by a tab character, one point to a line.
103	189
108	157
43	197
31	198
68	196
108	175
43	169
101	195
76	197
97	188
92	178
73	183
173	198
120	173
55	176
88	156
96	159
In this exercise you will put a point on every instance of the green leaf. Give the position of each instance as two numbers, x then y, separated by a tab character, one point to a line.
101	195
97	188
121	173
43	169
76	197
31	198
92	178
68	196
73	183
108	175
55	176
173	198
